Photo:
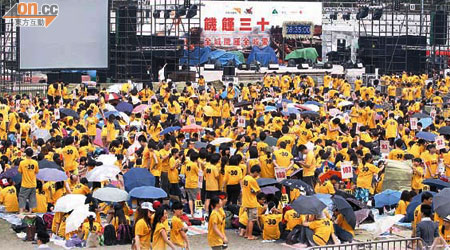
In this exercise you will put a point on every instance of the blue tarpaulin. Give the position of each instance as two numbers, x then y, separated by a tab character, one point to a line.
264	56
203	55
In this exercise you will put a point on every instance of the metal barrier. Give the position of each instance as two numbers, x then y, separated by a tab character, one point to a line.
25	88
396	244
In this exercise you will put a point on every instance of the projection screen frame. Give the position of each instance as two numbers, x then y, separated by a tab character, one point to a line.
108	54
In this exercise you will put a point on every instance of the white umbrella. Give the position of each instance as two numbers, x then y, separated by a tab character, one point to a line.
68	202
110	194
334	112
124	117
77	217
345	103
114	88
136	124
42	133
110	107
103	173
312	107
90	98
135	100
221	140
107	159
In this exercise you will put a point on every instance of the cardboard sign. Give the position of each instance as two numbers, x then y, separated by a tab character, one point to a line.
326	97
17	105
57	115
441	167
384	147
346	170
280	174
200	179
433	113
358	126
346	118
354	96
241	121
440	142
191	119
413	123
198	204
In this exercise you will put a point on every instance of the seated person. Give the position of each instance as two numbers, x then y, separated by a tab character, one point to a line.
342	229
318	231
270	221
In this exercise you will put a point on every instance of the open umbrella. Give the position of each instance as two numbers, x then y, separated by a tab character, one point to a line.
41	133
364	216
112	97
69	112
137	177
297	183
103	173
109	107
68	202
327	175
334	112
43	164
124	107
326	199
51	174
439	184
192	128
243	104
308	205
148	192
345	103
314	103
140	108
420	115
356	204
170	130
12	173
269	190
107	159
415	202
110	113
311	107
387	198
289	111
441	203
110	194
311	114
345	209
270	109
444	130
90	98
77	217
426	136
426	122
221	140
266	181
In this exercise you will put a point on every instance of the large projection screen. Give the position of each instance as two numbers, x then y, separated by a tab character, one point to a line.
76	39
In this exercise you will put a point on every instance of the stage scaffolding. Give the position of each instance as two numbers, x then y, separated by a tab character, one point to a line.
400	40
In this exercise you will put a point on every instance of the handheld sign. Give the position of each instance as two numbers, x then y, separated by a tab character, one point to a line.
354	96
413	123
346	118
200	179
346	170
358	126
57	115
384	147
280	174
433	114
440	142
191	119
241	121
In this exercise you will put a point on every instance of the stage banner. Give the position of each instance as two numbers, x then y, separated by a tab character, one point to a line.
240	24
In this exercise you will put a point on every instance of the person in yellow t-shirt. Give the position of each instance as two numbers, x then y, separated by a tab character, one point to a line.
41	200
160	237
8	196
344	232
249	190
417	175
142	228
293	219
91	226
366	173
403	203
328	186
270	221
191	171
70	156
397	153
174	163
322	229
232	179
283	158
309	165
28	168
211	176
216	225
391	127
431	162
178	230
287	138
91	124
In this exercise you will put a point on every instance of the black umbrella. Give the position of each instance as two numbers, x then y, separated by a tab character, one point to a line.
308	205
439	184
266	181
441	203
242	104
364	216
344	194
345	209
48	164
356	204
421	115
296	183
444	130
69	112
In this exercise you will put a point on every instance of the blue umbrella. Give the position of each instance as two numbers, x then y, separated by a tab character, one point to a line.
426	122
415	202
69	112
48	164
124	107
12	173
270	109
137	177
224	94
148	192
387	198
280	104
426	136
439	184
115	113
51	174
291	111
314	103
169	130
325	198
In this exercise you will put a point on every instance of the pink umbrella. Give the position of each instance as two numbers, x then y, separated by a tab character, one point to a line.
112	96
140	108
98	138
303	107
334	112
192	128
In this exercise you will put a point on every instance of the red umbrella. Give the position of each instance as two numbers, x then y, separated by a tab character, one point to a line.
325	176
111	97
193	128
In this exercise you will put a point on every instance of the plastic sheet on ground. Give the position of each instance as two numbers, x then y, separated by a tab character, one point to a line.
381	224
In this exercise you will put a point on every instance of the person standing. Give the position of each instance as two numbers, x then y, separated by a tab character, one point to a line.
142	228
427	229
178	230
217	239
28	168
250	188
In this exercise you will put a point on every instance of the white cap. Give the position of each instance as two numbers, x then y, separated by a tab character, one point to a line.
148	206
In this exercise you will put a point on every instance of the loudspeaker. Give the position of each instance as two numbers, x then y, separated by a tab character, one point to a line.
229	71
127	24
328	65
52	77
439	28
274	66
243	66
70	77
2	21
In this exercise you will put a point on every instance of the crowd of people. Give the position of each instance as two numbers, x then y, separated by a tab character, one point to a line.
201	142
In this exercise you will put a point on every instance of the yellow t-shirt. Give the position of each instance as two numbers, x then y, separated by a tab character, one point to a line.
342	223
175	232
322	231
365	175
191	175
216	218
391	128
325	188
70	156
233	175
158	241
283	157
401	207
293	219
8	197
96	228
310	161
92	126
249	189
28	168
271	230
396	154
211	176
143	231
173	171
41	203
266	164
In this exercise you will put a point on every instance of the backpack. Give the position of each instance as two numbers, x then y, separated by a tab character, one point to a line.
48	219
40	225
109	235
124	234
